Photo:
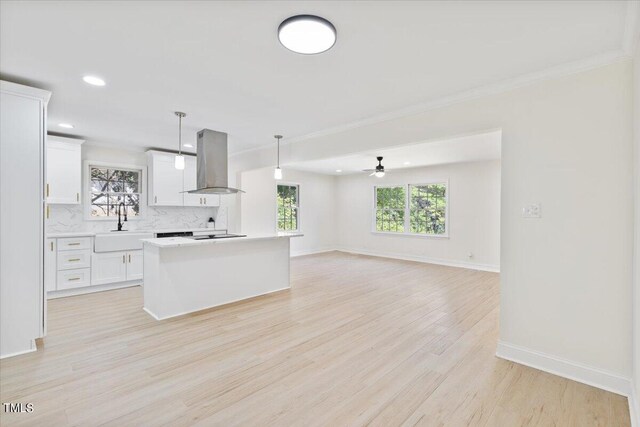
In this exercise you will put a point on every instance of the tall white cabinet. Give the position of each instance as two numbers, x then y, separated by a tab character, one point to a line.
22	206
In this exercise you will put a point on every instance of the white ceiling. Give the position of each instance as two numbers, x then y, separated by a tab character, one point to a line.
471	148
221	62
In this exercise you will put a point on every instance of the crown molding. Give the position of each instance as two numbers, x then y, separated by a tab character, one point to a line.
481	91
631	28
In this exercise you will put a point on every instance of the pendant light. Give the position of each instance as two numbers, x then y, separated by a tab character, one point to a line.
277	173
179	157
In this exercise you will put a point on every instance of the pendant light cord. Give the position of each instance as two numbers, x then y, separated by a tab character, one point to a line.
278	137
180	116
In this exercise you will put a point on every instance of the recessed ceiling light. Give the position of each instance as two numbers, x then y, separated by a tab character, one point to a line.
187	145
307	34
65	125
338	170
93	80
407	163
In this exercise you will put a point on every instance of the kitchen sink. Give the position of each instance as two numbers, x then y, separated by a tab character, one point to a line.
122	241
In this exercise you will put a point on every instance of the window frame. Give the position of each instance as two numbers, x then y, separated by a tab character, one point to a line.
298	210
86	187
407	210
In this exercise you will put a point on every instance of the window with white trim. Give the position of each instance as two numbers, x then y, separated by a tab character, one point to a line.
417	209
390	209
110	186
288	207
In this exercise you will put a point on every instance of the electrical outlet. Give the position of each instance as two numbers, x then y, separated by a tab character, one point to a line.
531	211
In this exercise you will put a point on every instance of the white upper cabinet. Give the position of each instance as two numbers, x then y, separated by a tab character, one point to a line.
64	170
168	185
165	181
191	182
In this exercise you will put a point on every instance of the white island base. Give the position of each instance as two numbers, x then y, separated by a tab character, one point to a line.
182	276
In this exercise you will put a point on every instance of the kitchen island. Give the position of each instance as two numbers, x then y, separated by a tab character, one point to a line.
183	275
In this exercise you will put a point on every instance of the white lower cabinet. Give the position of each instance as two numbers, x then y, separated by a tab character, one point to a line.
134	266
113	267
70	279
108	267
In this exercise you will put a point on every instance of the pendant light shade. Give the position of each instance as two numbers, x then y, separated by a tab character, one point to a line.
277	173
179	162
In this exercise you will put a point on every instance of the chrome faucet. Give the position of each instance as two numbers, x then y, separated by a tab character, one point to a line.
121	205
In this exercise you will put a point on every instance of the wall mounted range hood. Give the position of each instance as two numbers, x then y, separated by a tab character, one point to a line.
212	162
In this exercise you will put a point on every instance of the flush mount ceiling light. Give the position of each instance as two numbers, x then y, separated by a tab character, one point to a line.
93	80
307	34
65	125
188	145
179	164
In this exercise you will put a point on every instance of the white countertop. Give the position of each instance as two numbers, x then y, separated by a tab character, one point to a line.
93	233
171	242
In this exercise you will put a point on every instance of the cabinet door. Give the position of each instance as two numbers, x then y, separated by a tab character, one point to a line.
108	267
64	172
134	265
211	200
191	182
50	269
166	181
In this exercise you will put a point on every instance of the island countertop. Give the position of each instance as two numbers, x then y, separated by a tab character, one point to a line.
171	242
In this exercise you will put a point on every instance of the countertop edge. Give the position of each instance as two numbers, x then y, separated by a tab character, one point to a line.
174	242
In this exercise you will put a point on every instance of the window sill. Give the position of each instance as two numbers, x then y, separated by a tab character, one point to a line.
420	236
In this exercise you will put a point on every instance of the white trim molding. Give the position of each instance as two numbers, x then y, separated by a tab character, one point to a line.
565	368
423	259
634	408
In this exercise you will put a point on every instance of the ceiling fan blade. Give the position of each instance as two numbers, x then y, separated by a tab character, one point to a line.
371	174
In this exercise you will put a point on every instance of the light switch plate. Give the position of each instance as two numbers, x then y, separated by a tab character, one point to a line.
531	211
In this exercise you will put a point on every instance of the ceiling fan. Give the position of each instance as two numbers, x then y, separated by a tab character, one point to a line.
378	171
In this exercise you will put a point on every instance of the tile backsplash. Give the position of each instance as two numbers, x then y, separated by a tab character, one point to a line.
70	218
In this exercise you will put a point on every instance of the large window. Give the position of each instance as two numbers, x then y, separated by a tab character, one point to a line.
110	186
390	208
428	208
418	209
288	207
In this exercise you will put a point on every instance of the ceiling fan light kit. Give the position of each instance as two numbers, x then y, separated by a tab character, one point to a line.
379	171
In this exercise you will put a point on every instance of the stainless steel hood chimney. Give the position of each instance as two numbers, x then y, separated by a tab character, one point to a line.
212	168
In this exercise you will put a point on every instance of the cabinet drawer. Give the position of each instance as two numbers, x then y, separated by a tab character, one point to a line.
74	243
78	278
68	260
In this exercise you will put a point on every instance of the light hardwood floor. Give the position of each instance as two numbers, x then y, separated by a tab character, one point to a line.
358	340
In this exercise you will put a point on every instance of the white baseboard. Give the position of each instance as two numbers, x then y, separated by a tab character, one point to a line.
424	259
33	347
311	252
91	289
565	368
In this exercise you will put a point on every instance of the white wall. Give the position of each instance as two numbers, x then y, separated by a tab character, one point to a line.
566	278
474	216
68	218
317	207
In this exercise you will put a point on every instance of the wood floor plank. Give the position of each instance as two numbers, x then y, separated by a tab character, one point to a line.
358	340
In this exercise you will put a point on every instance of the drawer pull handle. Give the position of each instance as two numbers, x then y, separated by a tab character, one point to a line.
51	243
124	259
129	258
74	259
73	244
73	278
